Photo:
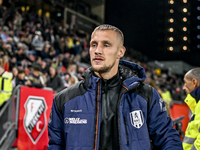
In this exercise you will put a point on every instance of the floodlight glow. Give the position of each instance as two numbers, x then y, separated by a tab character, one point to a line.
185	38
171	29
185	19
170	48
184	48
184	28
171	11
171	20
184	10
184	1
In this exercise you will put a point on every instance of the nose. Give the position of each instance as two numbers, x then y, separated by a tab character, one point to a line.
183	87
98	50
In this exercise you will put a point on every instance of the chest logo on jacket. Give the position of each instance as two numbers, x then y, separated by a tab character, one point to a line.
75	121
137	118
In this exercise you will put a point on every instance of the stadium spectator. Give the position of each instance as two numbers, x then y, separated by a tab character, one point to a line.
12	62
5	50
54	81
45	52
21	77
17	23
111	102
73	80
35	79
191	140
15	73
63	61
37	42
166	95
5	85
4	34
65	78
5	63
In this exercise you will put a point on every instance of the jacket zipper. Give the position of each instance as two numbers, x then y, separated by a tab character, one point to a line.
125	89
125	122
97	118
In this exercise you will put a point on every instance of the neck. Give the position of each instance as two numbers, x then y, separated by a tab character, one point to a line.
106	75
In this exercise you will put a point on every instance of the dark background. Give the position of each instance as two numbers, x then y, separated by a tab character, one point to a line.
143	25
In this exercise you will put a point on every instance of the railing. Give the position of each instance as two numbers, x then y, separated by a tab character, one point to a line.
9	121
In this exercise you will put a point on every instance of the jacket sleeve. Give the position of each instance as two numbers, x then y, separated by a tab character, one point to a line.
197	125
162	133
55	129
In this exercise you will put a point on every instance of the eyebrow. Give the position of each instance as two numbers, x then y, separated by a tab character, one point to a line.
104	42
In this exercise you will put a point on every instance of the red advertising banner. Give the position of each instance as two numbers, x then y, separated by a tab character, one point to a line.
34	111
179	110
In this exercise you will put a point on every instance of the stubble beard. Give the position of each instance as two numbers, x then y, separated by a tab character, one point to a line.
103	69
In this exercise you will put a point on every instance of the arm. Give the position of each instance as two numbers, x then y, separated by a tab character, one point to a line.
161	130
33	84
55	129
195	127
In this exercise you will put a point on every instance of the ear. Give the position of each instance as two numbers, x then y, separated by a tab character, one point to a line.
195	82
121	52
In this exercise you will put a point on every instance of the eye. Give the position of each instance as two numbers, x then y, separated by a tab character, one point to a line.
106	45
94	45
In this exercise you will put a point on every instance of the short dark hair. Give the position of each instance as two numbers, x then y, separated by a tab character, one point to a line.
20	71
110	27
36	66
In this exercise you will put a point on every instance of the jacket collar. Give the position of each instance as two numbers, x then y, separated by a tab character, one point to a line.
131	74
196	94
192	99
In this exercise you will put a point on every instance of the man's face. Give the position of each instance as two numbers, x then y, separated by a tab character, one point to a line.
52	71
189	85
105	51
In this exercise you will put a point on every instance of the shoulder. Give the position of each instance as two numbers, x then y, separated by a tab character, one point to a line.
8	75
146	91
69	93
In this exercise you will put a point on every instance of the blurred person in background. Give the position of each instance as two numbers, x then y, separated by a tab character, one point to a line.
4	34
35	78
12	62
37	42
5	85
15	73
166	95
111	105
21	77
73	79
5	63
54	81
191	140
66	78
63	61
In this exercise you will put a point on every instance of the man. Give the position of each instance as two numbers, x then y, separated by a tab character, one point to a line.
35	78
5	85
191	140
111	108
54	81
37	42
21	77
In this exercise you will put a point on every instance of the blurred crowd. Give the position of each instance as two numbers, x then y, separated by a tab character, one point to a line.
40	52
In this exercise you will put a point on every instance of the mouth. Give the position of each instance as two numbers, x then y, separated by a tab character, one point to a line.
97	59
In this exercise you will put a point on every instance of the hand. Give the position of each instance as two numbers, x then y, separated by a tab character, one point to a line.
28	82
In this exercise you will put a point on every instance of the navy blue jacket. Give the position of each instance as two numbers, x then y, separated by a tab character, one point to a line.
142	117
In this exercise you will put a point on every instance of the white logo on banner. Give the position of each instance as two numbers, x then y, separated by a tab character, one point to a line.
35	117
137	119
